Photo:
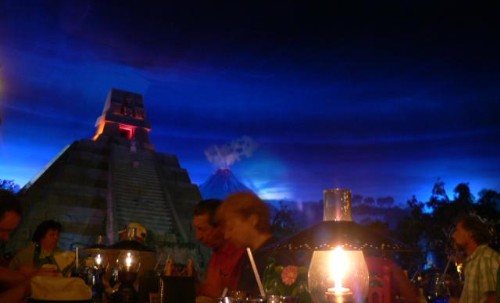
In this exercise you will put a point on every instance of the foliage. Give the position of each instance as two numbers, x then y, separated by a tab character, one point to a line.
439	192
9	185
283	222
369	200
430	223
289	280
385	201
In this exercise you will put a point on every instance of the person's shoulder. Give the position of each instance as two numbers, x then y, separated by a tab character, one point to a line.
230	248
490	252
485	249
484	253
23	256
29	249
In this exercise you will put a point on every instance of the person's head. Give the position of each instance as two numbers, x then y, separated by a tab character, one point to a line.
245	218
206	228
470	230
47	234
10	214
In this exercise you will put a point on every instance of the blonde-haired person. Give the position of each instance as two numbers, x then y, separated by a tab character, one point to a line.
246	222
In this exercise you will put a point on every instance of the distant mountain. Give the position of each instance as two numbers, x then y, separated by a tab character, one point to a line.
220	184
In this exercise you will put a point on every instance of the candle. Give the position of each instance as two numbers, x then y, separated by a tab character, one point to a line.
339	295
338	290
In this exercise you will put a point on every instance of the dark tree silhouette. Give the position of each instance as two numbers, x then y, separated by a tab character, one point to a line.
439	193
432	230
385	201
357	199
488	200
283	223
369	201
462	193
9	185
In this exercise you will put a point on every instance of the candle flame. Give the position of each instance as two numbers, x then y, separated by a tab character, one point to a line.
98	259
128	260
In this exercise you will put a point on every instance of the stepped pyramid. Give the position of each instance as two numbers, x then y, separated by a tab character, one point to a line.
97	186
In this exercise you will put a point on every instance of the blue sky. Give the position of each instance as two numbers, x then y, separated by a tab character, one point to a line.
382	97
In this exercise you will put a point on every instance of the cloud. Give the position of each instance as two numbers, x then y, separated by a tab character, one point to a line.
223	156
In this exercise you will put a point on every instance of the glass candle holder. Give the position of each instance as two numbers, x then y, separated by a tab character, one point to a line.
128	264
338	276
337	205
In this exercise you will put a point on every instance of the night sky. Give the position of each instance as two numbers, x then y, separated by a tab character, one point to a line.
382	97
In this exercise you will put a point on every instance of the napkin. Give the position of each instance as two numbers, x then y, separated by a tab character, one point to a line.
59	289
64	259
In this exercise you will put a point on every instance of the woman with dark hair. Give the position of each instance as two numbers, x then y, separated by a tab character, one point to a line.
40	253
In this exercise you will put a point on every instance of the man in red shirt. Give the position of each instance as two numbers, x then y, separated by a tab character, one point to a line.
223	270
14	285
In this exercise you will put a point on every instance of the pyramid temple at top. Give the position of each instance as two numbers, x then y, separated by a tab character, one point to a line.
97	186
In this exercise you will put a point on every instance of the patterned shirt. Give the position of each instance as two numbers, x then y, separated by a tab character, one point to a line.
480	274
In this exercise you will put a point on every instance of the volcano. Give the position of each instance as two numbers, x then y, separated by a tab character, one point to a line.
220	184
